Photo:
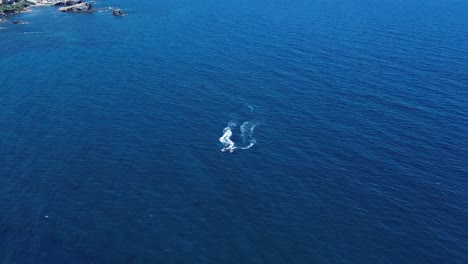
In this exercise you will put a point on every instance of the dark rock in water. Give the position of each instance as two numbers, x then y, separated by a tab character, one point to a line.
118	12
19	22
82	7
68	3
73	2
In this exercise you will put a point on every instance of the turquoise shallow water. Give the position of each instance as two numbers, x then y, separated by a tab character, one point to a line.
110	127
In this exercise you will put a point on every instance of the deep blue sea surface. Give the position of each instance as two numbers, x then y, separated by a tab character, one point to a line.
110	127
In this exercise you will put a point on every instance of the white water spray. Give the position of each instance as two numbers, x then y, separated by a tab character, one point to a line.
246	129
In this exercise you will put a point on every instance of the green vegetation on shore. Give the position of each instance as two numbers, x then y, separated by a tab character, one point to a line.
15	7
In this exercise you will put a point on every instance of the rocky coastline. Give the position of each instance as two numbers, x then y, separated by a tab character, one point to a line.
74	6
11	7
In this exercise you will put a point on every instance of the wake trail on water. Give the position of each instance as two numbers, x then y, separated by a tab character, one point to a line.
247	129
247	140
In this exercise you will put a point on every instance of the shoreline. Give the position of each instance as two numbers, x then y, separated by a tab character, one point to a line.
14	8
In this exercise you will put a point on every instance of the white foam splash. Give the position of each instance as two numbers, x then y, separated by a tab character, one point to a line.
246	129
226	138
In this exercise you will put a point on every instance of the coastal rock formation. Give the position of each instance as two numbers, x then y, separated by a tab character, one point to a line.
118	12
73	2
81	7
68	3
11	7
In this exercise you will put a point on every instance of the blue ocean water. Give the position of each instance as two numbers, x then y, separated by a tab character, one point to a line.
110	127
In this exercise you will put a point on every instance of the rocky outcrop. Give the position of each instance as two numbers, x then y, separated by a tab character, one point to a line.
118	12
68	3
9	12
73	2
13	7
81	7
